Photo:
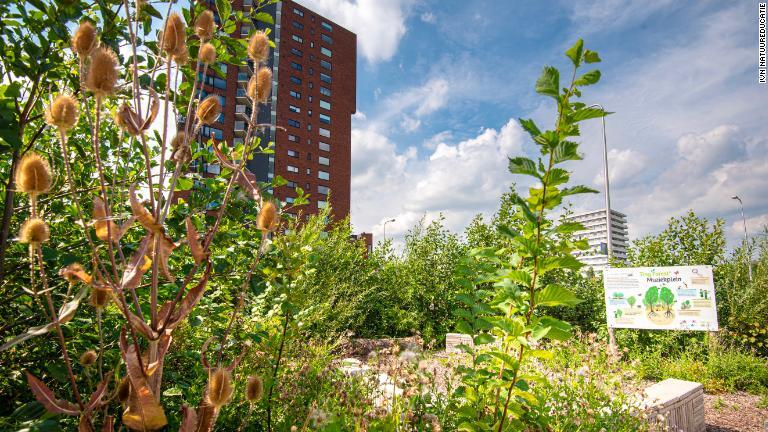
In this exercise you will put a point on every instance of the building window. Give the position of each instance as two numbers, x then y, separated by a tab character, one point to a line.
309	126
325	104
325	91
292	153
324	132
325	146
208	131
294	123
298	25
322	204
323	190
293	138
311	71
293	108
298	12
297	38
323	175
323	160
295	94
325	51
327	39
309	171
325	78
292	169
297	52
309	156
311	84
295	80
289	200
240	109
244	30
297	67
291	184
324	118
326	26
325	64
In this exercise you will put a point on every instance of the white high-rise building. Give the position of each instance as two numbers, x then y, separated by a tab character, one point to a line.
596	234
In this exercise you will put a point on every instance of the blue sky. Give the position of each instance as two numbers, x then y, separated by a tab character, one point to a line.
441	84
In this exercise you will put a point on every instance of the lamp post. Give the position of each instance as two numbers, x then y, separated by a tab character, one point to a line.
385	227
608	228
744	221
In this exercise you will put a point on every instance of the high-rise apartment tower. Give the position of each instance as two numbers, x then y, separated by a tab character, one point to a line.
596	234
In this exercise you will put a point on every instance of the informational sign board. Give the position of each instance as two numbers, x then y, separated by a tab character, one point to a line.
661	298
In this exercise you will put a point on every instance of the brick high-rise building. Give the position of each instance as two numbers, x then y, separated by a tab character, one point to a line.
313	98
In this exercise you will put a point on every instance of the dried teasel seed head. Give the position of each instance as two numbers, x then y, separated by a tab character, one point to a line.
124	390
209	110
181	55
34	175
102	74
207	54
254	390
204	25
264	78
174	35
100	297
34	231
88	358
258	47
180	152
219	387
124	119
63	112
268	218
84	39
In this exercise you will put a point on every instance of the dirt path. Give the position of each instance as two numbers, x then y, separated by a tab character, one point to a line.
735	412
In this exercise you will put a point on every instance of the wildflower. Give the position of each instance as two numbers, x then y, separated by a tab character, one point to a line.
258	47
255	388
102	73
84	39
174	35
34	232
204	25
268	218
63	112
209	110
219	387
207	54
88	358
33	175
408	356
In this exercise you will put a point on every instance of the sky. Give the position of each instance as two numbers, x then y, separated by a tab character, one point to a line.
441	84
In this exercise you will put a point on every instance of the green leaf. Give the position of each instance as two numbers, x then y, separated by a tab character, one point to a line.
523	165
591	57
575	190
587	113
558	330
520	202
566	262
567	228
589	78
575	52
556	295
510	361
548	83
530	127
565	151
541	354
183	184
483	338
506	231
264	17
558	176
225	9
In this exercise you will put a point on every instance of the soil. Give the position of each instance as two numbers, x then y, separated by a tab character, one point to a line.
731	412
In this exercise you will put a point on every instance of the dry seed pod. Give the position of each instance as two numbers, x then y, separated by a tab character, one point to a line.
34	231
34	175
258	47
74	273
209	110
100	297
180	152
63	112
88	358
102	74
219	387
268	218
124	390
264	78
254	390
126	120
207	54
204	25
174	35
181	56
84	39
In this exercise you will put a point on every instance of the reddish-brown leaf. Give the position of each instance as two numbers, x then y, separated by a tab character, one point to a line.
95	402
136	267
144	412
45	396
146	219
194	242
108	425
188	419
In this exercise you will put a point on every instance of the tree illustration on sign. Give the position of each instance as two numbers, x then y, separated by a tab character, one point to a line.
631	301
667	298
650	299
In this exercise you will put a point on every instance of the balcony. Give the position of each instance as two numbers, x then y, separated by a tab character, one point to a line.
241	94
242	77
239	128
247	4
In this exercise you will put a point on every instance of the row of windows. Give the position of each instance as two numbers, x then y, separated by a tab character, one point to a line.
322	175
323	24
324	190
322	145
322	160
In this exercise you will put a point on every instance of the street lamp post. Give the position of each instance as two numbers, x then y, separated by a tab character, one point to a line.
744	221
385	227
608	228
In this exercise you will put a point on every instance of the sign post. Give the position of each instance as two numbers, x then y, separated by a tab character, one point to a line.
661	298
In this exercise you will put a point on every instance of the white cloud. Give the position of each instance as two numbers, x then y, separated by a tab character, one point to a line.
593	16
623	166
379	25
410	124
428	17
458	180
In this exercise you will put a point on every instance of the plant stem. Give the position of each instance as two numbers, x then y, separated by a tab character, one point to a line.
274	373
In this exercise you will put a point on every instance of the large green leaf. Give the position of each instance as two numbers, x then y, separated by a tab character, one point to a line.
587	113
565	151
554	328
589	78
556	295
548	83
575	52
575	190
530	127
523	165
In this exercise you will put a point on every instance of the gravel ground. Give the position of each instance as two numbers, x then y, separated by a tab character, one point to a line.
734	412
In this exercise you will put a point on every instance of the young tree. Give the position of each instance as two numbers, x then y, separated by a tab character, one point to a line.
650	299
667	298
631	301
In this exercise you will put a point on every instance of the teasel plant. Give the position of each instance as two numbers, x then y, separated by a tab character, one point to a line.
505	307
117	273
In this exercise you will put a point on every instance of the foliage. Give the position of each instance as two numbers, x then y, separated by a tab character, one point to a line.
508	282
